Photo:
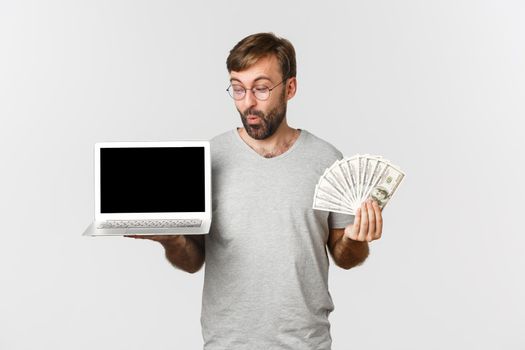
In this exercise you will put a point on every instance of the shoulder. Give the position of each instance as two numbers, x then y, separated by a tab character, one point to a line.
222	141
222	146
322	148
221	138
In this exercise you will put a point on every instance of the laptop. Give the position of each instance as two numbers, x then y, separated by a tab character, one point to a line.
151	188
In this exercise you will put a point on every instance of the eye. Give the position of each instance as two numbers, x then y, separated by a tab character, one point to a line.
261	88
238	89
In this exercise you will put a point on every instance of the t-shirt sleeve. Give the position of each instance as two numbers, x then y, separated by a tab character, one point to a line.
338	220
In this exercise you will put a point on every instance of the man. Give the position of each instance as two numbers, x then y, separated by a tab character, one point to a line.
266	272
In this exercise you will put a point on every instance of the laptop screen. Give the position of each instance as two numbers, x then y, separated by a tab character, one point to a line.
152	180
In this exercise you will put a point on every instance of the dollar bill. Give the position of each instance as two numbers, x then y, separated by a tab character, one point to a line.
325	201
350	165
386	186
375	168
350	181
342	182
329	183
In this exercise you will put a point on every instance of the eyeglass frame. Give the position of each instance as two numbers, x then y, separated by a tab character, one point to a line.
253	92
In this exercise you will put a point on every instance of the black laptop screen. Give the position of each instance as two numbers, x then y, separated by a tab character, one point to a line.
152	180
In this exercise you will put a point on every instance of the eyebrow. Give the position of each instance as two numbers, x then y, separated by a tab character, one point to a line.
261	77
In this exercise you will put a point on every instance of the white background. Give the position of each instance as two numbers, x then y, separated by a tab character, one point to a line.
437	87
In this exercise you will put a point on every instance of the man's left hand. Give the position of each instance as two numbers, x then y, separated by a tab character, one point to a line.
368	223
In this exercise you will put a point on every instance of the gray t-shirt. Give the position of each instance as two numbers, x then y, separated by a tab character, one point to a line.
266	271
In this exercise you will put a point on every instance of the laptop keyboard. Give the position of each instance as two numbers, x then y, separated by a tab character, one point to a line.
150	223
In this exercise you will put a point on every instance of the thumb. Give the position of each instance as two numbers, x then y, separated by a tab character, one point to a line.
352	230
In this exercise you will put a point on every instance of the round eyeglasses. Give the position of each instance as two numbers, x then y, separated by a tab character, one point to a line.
261	92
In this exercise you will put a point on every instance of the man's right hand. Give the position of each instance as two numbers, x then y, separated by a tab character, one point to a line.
167	241
182	251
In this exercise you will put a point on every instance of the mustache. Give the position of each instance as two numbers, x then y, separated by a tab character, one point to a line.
248	112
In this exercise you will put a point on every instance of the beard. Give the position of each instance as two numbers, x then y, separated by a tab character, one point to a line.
270	121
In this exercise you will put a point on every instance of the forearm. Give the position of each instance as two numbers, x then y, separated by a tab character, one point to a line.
348	253
185	254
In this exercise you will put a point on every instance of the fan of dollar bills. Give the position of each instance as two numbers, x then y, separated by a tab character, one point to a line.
350	181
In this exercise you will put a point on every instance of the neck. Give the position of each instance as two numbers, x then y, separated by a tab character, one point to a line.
283	138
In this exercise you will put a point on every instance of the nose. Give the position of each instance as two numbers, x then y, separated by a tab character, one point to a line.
249	99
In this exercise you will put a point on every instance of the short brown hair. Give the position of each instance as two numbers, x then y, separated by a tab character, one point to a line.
250	49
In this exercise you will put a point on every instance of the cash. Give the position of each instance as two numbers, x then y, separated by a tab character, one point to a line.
348	182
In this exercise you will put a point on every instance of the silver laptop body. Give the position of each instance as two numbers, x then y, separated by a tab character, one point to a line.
151	188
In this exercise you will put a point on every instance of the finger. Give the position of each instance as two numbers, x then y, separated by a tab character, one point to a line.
150	237
371	222
379	220
352	231
158	238
363	230
133	236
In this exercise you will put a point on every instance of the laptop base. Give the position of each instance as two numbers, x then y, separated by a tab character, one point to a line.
92	231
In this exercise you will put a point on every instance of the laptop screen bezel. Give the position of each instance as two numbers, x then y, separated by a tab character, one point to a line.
152	216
